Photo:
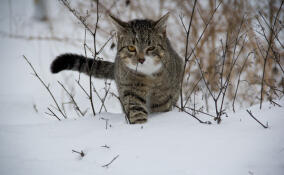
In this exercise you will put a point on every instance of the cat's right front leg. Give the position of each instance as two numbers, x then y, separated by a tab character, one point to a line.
135	106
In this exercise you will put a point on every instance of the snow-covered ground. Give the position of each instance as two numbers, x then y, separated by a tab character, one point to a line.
33	143
170	143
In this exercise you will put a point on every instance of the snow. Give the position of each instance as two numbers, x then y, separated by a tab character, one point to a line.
169	143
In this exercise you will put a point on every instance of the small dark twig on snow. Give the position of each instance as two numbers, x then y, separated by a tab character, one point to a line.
106	120
257	120
82	154
107	165
105	146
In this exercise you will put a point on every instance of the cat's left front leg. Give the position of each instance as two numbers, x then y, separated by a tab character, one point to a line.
135	107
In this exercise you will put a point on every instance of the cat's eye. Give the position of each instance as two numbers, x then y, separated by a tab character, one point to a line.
151	48
131	48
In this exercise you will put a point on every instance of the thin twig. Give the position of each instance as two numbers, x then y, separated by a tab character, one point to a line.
79	84
73	100
200	121
206	26
103	46
104	98
271	29
95	56
106	120
100	98
257	120
82	154
274	103
192	52
52	114
46	86
193	89
114	95
105	146
186	50
107	165
239	79
204	80
196	110
66	3
276	57
83	21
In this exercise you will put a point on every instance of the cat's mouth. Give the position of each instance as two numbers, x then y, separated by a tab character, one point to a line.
146	65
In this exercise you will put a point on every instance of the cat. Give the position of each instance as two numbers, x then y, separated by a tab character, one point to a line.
147	70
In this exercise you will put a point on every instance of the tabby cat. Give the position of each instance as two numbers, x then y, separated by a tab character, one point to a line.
147	70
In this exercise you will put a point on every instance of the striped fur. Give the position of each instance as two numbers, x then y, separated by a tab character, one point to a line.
152	87
98	68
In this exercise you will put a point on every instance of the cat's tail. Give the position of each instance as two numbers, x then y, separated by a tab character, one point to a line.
96	68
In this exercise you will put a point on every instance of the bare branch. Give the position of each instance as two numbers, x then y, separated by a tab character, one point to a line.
95	56
186	50
192	52
66	3
46	86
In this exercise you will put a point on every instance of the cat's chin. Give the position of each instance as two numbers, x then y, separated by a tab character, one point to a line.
149	67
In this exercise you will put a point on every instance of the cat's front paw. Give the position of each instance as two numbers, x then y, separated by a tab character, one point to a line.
138	118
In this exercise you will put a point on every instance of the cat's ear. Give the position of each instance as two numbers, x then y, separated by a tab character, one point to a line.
120	25
161	24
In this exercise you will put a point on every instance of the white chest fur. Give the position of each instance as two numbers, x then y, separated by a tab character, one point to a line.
148	67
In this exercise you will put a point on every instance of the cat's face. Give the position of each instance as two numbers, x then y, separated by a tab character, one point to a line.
141	44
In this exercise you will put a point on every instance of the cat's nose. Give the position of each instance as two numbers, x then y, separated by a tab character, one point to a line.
141	60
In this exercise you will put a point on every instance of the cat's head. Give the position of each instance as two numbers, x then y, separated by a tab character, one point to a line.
141	44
